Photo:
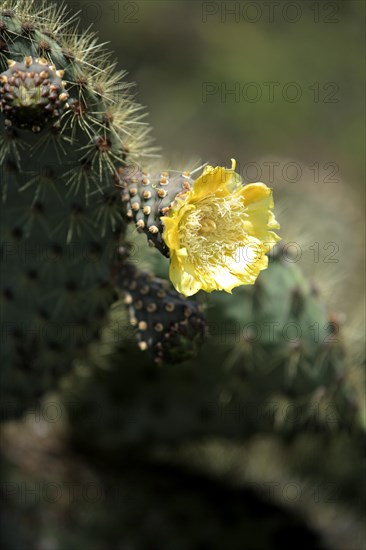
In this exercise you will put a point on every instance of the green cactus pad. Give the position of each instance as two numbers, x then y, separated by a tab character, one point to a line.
148	196
166	323
67	124
32	93
279	333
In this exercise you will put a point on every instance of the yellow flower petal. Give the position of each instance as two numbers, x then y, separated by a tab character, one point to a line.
212	180
240	268
259	218
183	281
170	234
254	192
223	280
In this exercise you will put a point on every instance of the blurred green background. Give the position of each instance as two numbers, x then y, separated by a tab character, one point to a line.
178	50
280	87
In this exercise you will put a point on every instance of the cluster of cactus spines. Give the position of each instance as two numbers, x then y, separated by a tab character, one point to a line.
148	196
67	124
171	327
31	93
280	333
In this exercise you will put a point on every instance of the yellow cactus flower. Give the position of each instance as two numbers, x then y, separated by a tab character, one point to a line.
219	232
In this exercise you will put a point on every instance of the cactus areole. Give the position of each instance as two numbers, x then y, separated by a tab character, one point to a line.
32	93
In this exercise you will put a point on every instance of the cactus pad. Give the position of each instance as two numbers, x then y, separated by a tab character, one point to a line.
148	196
67	124
167	324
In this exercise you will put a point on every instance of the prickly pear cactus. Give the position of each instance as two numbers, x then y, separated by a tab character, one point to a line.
252	375
171	327
147	197
280	335
67	124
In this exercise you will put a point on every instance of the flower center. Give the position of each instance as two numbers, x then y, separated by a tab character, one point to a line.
213	229
207	226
